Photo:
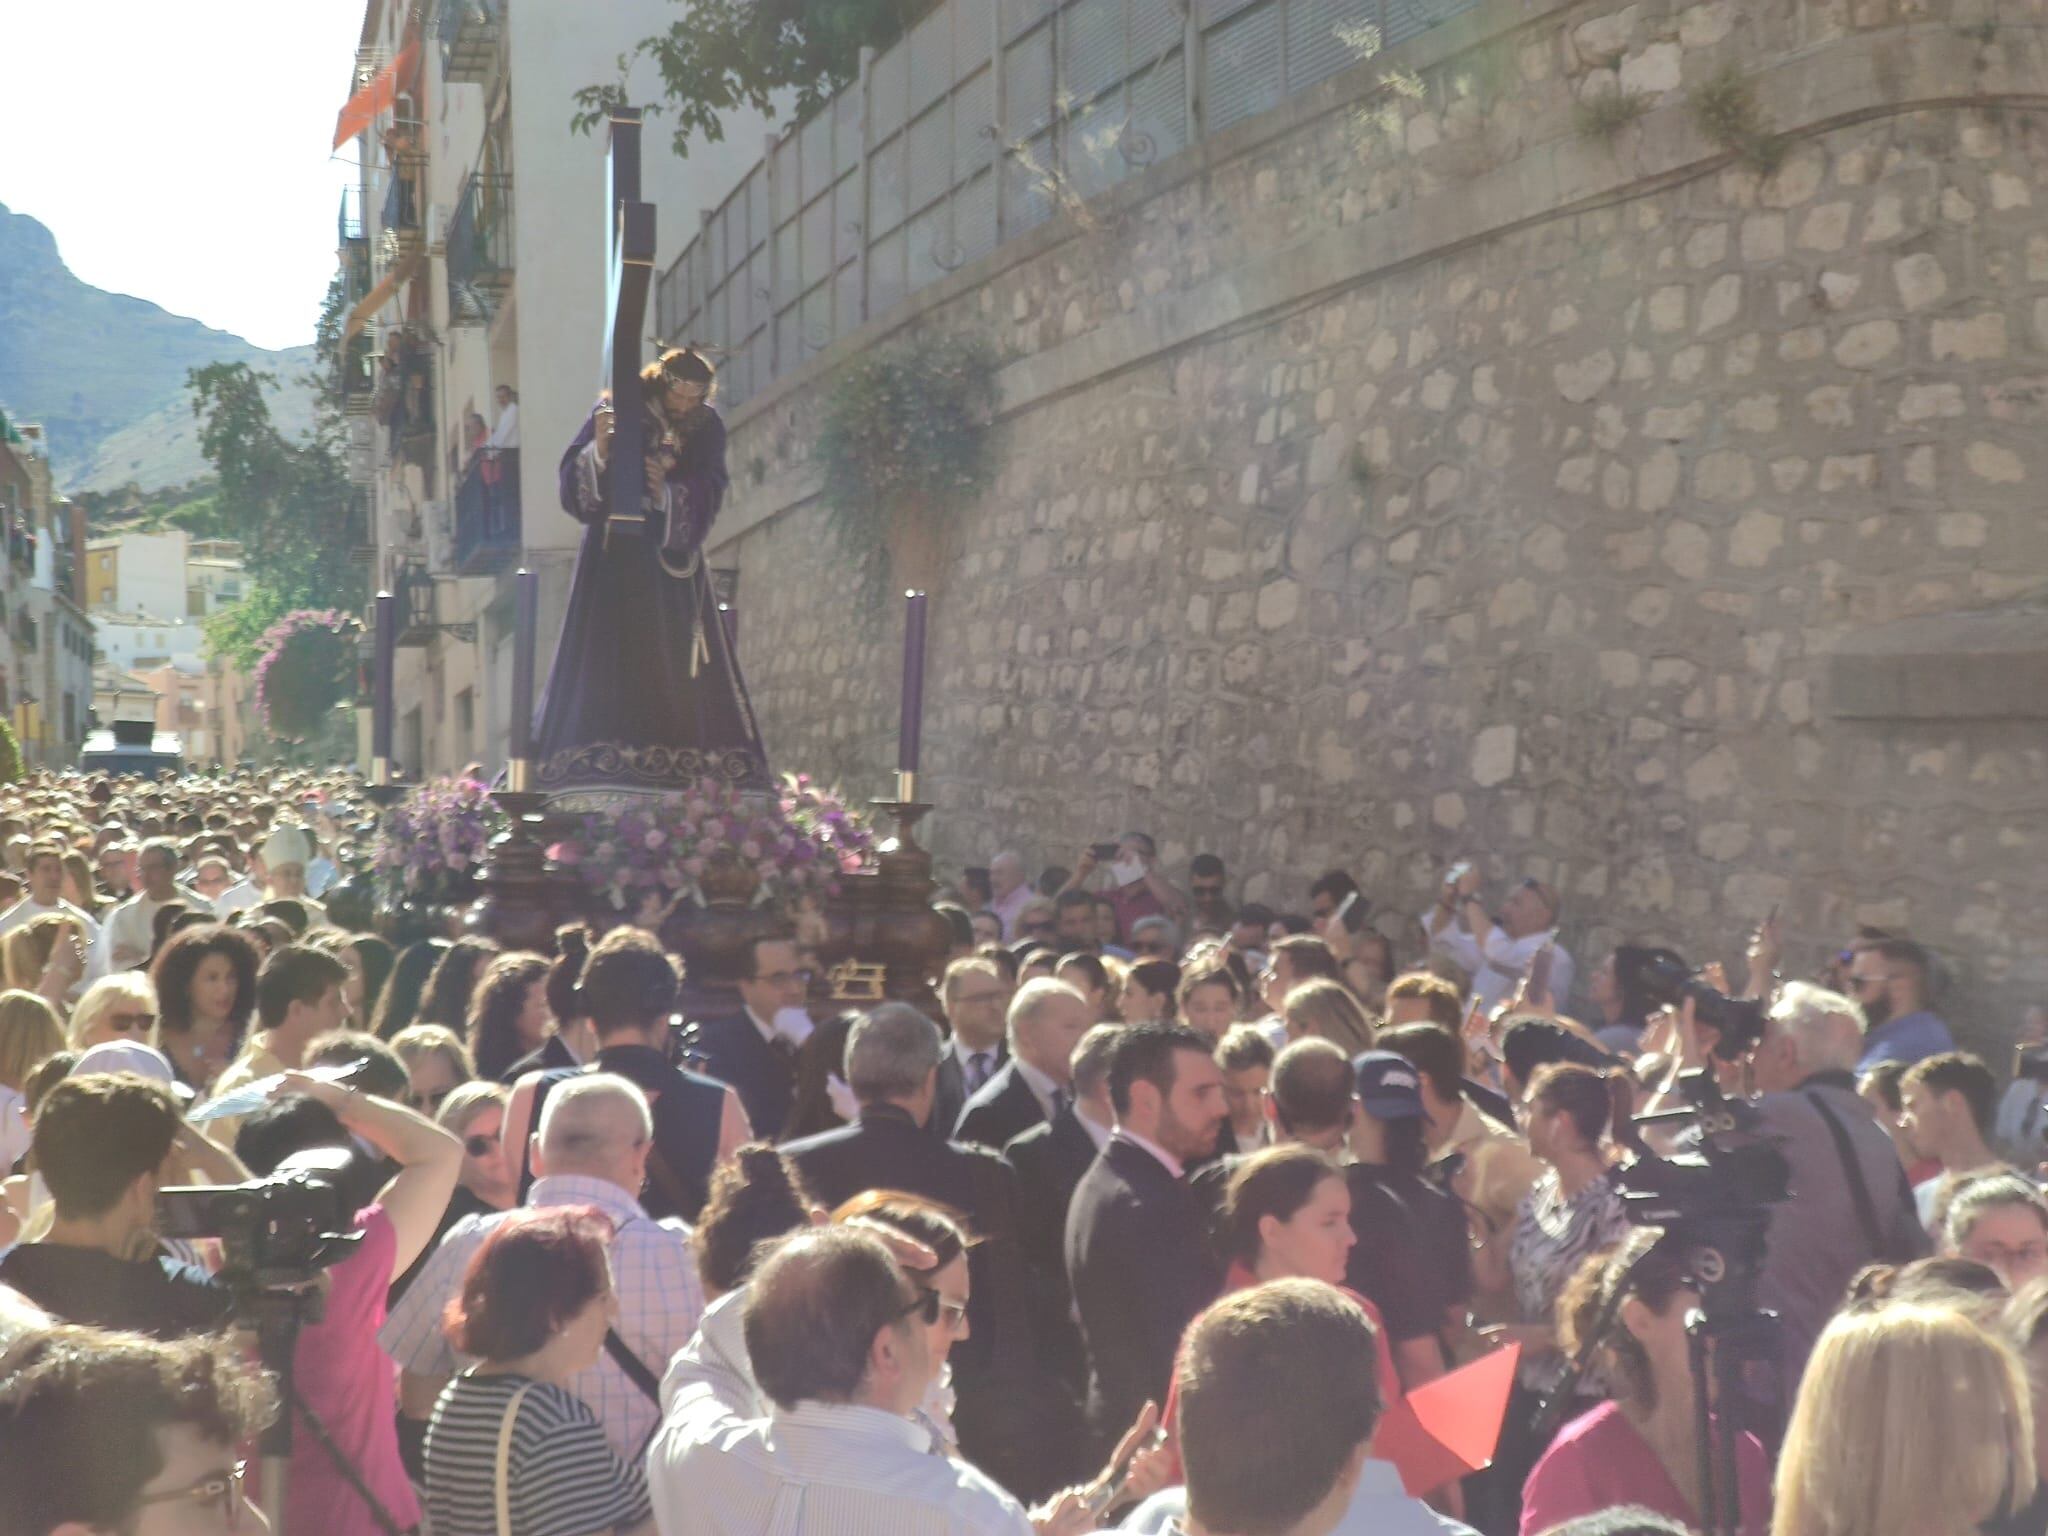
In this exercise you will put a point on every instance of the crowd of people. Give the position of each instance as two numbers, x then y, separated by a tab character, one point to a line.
1149	1218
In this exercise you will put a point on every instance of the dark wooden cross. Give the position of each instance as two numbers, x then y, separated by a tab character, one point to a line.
629	250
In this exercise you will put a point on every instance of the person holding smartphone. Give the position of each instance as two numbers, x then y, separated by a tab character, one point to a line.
1135	888
1500	952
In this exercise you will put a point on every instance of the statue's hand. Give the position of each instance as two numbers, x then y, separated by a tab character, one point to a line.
602	434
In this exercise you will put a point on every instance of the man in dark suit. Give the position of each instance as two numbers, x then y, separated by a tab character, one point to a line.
1137	1257
1047	1020
745	1051
892	1061
975	996
1050	1159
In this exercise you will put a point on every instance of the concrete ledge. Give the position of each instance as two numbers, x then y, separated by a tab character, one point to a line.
1991	664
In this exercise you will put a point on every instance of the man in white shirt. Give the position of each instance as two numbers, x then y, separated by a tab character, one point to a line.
1009	891
1498	955
247	891
595	1132
505	434
45	896
1279	1402
127	935
835	1333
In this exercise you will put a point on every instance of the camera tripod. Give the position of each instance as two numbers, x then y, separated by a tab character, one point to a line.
276	1313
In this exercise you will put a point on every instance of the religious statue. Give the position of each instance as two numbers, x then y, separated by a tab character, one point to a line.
645	692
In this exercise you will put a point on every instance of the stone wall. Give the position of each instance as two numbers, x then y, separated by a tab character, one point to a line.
1408	474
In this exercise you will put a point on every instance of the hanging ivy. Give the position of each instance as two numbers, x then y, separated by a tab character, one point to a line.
10	755
307	666
906	439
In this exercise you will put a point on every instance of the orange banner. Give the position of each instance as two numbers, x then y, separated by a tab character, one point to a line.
363	107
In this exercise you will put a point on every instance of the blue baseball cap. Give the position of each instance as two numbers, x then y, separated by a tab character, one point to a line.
1389	1088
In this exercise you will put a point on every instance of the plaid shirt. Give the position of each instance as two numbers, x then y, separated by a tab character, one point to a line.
660	1300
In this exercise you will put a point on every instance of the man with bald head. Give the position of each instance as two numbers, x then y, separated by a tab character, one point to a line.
591	1149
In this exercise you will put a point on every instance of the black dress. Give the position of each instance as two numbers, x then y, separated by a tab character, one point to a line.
645	692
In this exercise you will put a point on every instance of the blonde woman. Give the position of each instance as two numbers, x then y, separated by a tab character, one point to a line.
45	954
1326	1010
30	1033
1911	1420
117	1007
436	1063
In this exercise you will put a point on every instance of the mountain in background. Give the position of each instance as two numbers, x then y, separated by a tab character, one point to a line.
105	373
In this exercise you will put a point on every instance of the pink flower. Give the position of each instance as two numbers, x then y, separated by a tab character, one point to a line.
654	839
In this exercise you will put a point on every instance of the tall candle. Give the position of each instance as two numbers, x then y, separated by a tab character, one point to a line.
911	735
526	621
384	678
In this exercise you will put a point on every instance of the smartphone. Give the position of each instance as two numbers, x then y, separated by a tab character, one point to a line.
1104	852
1351	912
1457	871
1539	974
1106	1497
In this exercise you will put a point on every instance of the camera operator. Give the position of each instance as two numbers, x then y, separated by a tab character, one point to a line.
1850	1205
104	1144
341	1375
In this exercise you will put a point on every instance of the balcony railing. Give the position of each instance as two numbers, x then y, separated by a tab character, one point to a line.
25	633
479	248
358	379
402	206
469	32
487	514
21	542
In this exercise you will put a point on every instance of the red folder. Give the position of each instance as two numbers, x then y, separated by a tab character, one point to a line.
1451	1426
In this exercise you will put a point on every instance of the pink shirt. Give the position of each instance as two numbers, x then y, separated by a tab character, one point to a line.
1600	1460
350	1383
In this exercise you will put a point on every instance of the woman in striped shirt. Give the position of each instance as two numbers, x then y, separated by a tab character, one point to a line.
511	1451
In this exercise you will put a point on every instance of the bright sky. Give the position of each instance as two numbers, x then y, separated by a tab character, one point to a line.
179	149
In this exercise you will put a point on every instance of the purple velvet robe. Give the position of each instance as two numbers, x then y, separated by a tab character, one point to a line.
645	692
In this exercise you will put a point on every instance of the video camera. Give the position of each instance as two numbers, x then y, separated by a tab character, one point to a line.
275	1232
1662	979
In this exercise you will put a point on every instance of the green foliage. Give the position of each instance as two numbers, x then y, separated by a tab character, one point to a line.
234	632
727	54
1726	110
909	425
1604	114
11	768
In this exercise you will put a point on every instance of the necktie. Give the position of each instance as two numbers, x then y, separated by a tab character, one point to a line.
977	1070
1060	1100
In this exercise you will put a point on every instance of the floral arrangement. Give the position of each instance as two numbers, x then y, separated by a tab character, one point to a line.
796	844
307	665
431	844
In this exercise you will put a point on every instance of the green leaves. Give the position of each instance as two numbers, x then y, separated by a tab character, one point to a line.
910	423
727	54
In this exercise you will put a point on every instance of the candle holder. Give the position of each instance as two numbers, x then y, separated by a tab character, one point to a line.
906	813
515	908
384	794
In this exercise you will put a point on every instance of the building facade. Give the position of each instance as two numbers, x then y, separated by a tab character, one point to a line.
473	253
48	651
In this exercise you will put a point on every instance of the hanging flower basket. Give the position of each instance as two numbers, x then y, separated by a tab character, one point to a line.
306	667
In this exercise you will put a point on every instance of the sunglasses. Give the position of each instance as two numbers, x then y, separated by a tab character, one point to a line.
219	1495
124	1022
479	1146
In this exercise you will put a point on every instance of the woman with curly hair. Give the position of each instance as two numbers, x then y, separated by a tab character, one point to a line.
205	991
508	1013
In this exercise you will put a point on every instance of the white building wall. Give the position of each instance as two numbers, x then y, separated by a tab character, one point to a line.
123	642
151	575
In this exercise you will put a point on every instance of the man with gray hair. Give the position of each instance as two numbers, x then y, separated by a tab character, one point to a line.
1046	1021
125	936
591	1149
892	1061
1850	1203
1009	891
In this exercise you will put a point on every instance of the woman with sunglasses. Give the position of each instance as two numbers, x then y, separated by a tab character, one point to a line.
117	1007
436	1064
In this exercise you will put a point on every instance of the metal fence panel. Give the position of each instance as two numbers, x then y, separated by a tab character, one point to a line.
1242	65
895	182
